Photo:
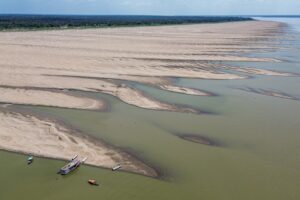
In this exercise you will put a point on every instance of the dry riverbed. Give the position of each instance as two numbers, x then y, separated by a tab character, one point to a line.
93	59
41	67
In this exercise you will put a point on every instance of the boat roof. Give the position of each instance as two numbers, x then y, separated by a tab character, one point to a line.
70	164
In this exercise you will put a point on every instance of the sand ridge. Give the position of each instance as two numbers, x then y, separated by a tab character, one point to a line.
63	59
41	67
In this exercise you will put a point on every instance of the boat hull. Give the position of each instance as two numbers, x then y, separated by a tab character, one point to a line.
67	170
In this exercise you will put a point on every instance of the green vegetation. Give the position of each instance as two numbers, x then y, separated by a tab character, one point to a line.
33	22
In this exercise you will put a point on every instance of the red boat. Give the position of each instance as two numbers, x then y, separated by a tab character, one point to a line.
93	182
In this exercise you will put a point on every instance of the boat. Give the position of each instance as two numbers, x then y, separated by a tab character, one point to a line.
93	182
29	160
71	166
116	167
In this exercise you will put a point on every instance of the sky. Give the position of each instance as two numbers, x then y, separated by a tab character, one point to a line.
152	7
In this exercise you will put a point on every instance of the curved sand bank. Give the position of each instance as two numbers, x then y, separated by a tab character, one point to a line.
149	55
38	68
45	138
48	98
53	91
184	90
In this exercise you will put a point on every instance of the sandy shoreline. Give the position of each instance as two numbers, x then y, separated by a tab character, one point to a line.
41	67
48	98
51	139
150	55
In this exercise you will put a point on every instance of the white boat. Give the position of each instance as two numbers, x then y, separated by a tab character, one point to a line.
72	165
116	167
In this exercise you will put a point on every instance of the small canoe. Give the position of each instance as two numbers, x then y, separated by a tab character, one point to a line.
29	160
93	182
116	168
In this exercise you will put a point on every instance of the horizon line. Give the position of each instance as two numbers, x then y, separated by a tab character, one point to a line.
162	15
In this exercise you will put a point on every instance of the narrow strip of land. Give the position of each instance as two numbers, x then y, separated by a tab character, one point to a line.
46	138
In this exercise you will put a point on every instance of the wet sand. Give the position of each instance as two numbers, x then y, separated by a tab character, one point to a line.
43	137
271	93
48	98
86	59
199	139
38	68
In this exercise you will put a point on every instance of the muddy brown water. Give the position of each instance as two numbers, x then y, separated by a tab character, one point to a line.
259	158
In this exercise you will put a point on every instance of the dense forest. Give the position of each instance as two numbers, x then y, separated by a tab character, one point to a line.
32	22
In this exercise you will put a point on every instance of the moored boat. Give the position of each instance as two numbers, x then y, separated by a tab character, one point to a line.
72	165
115	168
29	160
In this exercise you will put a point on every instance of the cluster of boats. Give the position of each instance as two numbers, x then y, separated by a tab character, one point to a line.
73	164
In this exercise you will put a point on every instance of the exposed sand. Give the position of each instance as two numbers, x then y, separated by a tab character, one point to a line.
149	55
47	98
260	71
189	91
30	135
40	67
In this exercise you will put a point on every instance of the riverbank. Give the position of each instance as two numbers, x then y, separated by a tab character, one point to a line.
28	134
250	150
45	67
104	60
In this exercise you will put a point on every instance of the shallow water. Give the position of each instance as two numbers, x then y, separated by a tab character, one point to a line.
258	157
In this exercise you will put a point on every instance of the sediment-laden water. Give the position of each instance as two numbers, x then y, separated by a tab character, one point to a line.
249	150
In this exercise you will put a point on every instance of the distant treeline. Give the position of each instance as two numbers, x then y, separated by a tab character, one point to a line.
32	22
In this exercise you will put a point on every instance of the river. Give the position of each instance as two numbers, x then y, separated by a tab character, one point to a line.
257	155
